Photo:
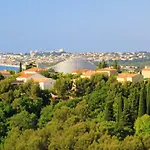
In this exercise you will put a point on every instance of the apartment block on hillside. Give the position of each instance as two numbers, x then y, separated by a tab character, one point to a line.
146	73
107	71
127	77
32	74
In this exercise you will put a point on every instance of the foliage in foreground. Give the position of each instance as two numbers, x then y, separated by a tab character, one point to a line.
97	113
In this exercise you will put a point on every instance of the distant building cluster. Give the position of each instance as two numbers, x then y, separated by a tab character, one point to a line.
54	57
74	63
78	66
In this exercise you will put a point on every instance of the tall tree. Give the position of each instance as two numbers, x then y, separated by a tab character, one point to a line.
142	103
134	98
125	119
20	67
31	65
108	113
115	66
102	64
148	99
120	108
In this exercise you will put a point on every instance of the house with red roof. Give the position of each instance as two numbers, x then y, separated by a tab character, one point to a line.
5	73
32	74
127	77
105	71
34	70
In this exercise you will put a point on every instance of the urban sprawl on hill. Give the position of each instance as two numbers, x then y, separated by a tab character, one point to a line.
75	101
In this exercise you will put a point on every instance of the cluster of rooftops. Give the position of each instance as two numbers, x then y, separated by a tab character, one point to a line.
121	77
47	83
32	74
76	66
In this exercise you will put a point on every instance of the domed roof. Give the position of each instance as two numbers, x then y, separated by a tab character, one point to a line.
70	65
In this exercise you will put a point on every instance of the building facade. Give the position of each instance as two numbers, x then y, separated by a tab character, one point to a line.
127	77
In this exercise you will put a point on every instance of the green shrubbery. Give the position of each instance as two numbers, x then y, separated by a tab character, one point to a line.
98	113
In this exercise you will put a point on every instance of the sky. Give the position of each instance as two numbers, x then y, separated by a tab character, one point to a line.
75	25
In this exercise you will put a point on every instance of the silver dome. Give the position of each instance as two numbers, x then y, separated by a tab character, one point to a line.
70	65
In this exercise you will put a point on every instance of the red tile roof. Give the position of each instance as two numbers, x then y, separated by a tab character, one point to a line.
3	72
25	75
126	75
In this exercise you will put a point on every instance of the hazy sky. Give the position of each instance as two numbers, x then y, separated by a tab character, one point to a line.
75	25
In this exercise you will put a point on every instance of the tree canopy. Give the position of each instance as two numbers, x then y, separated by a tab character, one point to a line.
77	114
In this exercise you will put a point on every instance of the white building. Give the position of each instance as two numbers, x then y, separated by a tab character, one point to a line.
45	83
126	77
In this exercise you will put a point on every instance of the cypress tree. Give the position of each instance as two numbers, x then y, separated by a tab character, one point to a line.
20	67
142	103
120	108
31	65
102	64
108	113
115	65
148	99
134	98
125	119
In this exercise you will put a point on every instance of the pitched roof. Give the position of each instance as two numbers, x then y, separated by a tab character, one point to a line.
126	75
25	75
3	72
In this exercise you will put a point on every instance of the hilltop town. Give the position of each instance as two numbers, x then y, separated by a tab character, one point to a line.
130	61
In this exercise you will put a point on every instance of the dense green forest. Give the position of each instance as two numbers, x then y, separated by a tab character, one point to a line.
77	114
